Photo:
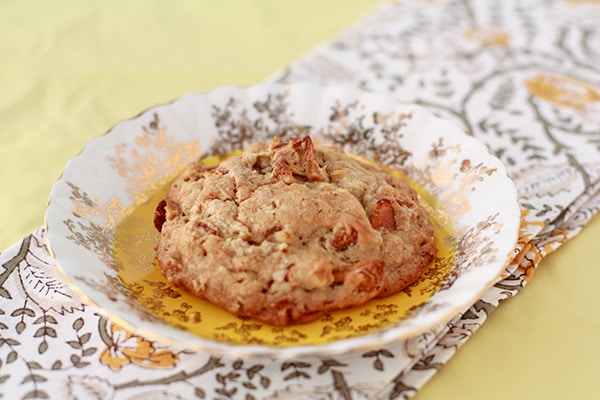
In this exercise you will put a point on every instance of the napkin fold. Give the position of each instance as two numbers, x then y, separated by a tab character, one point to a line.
520	76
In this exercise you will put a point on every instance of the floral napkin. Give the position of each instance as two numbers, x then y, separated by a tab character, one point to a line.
521	76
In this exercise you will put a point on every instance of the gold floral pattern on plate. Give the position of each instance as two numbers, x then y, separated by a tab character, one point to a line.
100	230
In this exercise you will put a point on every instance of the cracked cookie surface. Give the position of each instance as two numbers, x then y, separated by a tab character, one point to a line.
286	232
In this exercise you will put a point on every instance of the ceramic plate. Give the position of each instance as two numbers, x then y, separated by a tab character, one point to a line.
101	234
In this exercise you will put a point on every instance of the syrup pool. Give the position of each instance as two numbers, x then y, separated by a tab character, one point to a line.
140	273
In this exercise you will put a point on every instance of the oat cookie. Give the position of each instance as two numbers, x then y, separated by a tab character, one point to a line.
286	232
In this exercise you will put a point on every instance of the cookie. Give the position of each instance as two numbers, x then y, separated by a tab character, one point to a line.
286	232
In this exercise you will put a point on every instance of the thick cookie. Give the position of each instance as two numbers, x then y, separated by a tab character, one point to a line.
286	232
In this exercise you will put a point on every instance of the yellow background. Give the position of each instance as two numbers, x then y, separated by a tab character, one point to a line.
69	70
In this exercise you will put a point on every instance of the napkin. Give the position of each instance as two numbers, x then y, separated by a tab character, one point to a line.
518	75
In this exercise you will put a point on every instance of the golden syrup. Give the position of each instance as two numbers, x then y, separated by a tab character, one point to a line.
140	273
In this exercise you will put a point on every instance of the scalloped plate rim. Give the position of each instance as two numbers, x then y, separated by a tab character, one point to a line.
197	343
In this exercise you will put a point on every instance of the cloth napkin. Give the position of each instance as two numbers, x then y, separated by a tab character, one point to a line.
519	75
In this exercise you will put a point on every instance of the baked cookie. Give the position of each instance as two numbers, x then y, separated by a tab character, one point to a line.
286	232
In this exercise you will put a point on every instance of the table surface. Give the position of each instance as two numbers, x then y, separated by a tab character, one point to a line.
70	71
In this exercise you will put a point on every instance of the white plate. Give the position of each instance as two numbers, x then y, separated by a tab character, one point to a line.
104	248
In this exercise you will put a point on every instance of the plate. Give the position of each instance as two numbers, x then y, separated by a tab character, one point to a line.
100	232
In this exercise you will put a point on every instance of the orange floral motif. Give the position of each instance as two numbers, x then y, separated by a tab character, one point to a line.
488	36
533	253
528	259
529	226
127	348
554	240
563	90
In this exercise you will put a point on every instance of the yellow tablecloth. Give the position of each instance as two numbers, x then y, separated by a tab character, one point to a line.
69	70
